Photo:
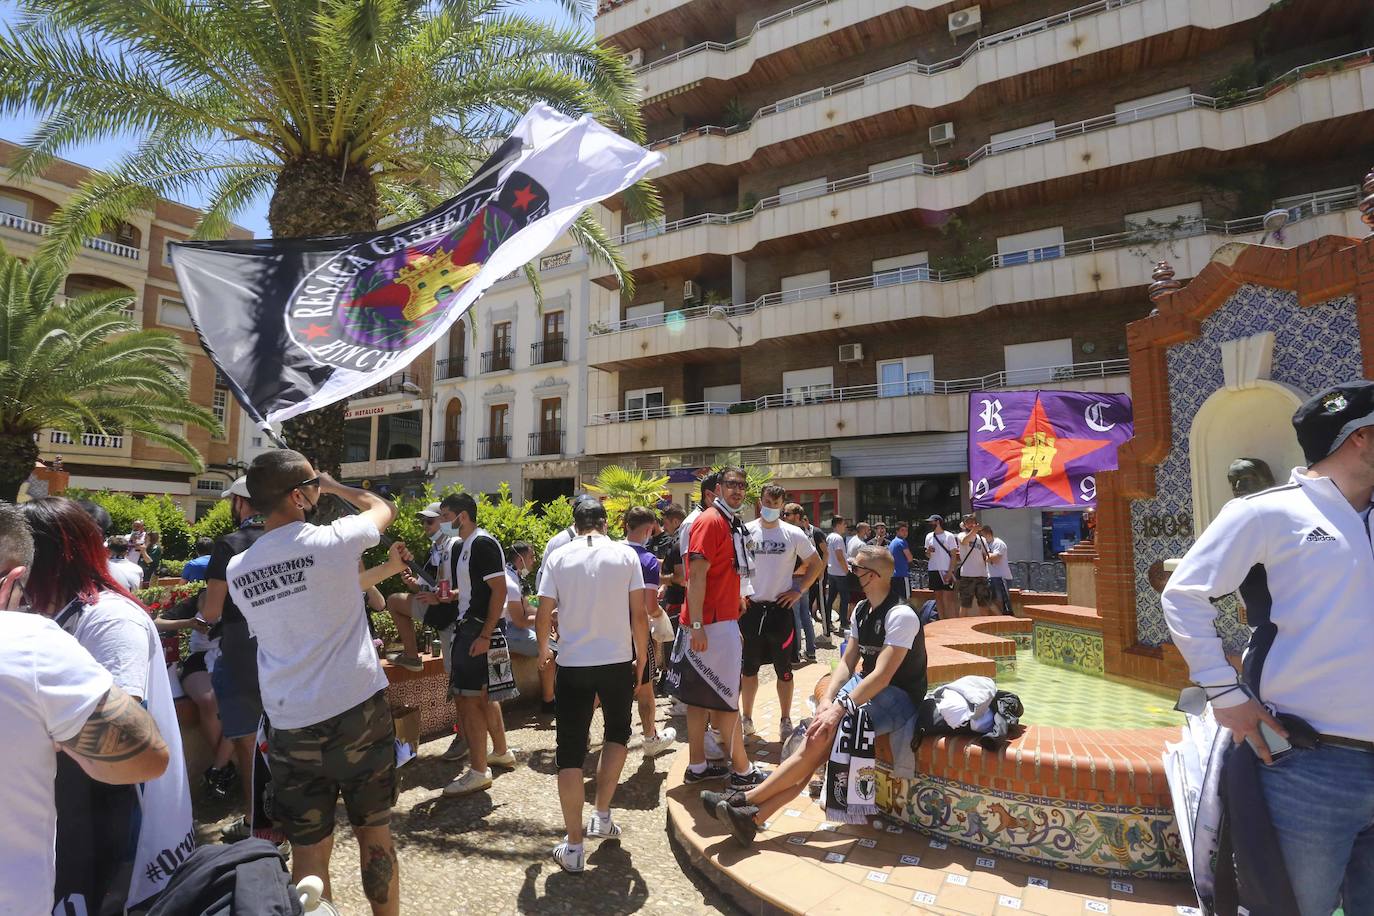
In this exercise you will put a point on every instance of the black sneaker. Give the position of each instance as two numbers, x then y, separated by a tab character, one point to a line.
743	781
712	771
741	821
711	800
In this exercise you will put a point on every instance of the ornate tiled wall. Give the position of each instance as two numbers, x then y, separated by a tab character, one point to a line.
1070	647
1314	348
1113	840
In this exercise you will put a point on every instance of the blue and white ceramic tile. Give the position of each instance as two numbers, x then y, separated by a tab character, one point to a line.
1313	349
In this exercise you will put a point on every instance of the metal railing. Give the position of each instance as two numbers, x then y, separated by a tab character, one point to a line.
548	350
401	382
446	450
88	440
34	227
497	360
1319	203
825	394
1027	575
546	442
452	367
1180	103
493	447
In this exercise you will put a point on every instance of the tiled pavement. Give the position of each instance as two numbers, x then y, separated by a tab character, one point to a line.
800	864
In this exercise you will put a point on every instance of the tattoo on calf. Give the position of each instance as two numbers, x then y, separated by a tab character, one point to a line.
119	729
379	868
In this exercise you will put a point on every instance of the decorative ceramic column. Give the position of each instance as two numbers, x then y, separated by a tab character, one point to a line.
1080	573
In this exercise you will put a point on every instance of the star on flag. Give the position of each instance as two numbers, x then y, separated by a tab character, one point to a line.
1041	455
524	197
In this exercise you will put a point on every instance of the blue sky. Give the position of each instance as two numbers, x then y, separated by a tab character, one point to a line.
101	155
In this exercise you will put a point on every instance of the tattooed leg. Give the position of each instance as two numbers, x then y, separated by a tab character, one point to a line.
380	871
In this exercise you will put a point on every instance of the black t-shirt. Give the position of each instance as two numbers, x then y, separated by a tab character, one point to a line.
484	559
673	594
226	548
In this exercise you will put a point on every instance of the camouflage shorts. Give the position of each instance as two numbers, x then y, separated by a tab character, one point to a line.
353	755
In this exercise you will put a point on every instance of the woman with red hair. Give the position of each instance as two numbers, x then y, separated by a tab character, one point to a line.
116	845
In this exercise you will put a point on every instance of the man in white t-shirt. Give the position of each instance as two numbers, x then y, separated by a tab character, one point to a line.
836	575
125	571
597	587
323	689
768	624
971	573
54	696
942	555
999	570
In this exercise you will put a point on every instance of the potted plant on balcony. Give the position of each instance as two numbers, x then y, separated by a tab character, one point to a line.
742	407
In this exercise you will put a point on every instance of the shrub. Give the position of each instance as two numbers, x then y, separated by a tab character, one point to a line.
216	523
172	568
159	513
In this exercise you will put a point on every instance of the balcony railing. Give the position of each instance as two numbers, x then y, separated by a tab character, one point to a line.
825	394
1318	203
493	447
497	360
88	440
650	229
1020	31
546	442
548	350
34	227
452	367
400	383
447	450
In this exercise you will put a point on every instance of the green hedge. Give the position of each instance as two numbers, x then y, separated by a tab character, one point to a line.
159	513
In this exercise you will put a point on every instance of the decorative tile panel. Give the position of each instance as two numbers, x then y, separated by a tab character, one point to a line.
1115	840
1070	647
1314	348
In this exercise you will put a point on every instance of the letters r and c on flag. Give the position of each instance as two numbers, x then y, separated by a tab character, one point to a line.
1043	448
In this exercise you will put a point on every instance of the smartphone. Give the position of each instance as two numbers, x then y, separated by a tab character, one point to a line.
1276	743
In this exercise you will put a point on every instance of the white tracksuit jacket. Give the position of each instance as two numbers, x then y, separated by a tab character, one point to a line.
1302	559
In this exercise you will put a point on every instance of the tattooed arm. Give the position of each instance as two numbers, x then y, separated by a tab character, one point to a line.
119	743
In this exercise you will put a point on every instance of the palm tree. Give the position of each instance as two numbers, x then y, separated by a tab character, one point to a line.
346	112
624	488
81	365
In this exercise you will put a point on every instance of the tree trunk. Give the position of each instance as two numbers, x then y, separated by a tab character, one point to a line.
18	455
316	197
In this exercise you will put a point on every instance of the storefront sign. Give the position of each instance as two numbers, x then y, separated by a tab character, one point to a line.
355	413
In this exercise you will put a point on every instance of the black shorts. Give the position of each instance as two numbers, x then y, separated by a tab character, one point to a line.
191	664
936	583
470	674
575	692
650	668
769	632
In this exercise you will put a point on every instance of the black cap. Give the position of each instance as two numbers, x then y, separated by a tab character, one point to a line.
586	500
1327	420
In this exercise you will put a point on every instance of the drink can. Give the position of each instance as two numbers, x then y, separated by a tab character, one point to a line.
445	593
436	648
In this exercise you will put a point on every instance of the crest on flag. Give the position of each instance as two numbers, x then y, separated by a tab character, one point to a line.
1043	448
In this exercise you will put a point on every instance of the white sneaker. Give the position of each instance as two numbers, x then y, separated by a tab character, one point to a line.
457	748
505	761
568	859
663	741
677	709
713	749
747	724
469	782
597	829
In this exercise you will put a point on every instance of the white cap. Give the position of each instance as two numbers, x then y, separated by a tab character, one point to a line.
430	511
238	488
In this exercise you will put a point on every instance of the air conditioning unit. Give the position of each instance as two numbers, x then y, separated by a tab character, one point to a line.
851	353
636	57
942	134
690	290
965	21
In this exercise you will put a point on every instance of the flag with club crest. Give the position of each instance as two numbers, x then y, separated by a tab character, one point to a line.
1043	448
296	324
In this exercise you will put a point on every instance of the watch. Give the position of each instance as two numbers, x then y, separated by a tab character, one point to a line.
696	624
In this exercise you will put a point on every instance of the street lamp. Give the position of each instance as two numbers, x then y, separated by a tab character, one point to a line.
1274	221
719	313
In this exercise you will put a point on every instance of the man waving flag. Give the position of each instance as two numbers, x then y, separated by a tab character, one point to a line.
296	324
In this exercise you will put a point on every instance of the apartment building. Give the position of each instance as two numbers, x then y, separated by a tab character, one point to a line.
132	257
509	400
876	207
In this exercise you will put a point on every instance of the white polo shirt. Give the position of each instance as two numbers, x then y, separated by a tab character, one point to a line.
592	579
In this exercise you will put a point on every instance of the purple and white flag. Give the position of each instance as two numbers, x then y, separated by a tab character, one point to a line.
1043	448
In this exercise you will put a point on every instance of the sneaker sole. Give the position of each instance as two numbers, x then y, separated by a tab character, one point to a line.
571	871
467	790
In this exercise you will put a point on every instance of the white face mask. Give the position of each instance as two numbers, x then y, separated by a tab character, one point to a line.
769	514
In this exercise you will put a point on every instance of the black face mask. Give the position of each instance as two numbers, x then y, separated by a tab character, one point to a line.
311	512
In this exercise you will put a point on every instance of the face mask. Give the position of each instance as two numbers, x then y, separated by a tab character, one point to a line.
438	533
311	512
770	515
446	529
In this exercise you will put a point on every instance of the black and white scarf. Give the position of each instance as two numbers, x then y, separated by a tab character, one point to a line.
851	775
744	556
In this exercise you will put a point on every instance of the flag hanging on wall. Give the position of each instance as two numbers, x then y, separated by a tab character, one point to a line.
296	324
1043	448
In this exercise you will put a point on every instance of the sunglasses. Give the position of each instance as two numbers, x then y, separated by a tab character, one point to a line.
733	484
312	482
858	568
